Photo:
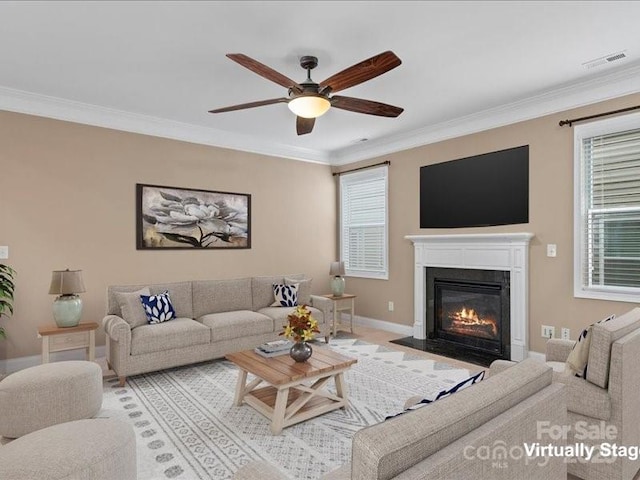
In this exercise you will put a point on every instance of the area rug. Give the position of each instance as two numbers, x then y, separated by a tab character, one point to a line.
187	427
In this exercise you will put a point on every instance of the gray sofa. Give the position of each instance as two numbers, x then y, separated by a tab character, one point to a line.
214	318
477	433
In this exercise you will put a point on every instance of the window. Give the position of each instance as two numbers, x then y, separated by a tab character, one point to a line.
607	209
363	223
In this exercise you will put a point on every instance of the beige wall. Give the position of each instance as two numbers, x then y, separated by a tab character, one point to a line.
551	300
67	200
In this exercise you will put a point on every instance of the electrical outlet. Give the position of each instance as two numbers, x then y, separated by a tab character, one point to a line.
552	250
4	253
391	306
548	332
565	334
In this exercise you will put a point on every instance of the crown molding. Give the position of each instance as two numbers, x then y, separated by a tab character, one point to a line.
71	111
597	89
567	97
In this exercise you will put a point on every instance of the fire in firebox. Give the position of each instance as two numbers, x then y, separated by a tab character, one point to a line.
467	322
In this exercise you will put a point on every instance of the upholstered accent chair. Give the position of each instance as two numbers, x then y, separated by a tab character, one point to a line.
609	395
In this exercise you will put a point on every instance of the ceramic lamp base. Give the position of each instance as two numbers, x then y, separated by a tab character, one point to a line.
337	286
67	310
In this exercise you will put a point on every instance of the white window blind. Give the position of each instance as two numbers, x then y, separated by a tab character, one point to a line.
609	215
363	223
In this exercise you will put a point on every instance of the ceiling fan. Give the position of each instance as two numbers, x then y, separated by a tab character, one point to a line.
308	100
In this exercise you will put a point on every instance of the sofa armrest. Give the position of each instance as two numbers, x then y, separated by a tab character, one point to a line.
388	448
498	366
558	350
259	469
117	329
324	305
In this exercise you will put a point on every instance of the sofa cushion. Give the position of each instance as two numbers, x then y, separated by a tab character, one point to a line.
584	397
285	295
280	314
38	397
262	291
241	323
304	287
131	306
158	308
215	296
93	449
178	333
181	297
602	336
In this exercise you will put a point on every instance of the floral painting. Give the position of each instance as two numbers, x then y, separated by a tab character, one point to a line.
169	217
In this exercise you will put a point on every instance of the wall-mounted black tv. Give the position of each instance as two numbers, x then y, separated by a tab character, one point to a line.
488	189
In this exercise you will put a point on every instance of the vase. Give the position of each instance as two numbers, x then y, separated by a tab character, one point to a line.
301	351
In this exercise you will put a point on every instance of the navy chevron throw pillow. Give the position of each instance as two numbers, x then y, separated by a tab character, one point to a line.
442	394
158	308
285	295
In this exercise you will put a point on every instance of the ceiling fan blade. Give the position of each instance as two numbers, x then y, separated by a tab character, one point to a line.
264	71
365	106
304	125
361	72
249	105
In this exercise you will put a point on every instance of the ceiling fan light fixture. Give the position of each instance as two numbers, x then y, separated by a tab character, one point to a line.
309	106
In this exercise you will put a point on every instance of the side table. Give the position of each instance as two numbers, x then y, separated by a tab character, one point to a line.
57	339
340	306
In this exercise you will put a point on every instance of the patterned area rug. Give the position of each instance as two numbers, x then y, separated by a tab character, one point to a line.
187	427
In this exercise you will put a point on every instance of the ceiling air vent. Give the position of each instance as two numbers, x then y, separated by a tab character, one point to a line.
612	57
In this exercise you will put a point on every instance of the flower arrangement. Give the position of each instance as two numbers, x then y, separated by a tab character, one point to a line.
300	325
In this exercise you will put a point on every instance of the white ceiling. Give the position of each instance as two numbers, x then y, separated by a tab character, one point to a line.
157	67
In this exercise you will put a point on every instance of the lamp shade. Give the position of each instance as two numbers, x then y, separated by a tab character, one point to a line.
66	282
309	106
337	268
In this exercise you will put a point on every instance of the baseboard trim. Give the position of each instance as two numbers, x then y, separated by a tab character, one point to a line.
405	330
14	364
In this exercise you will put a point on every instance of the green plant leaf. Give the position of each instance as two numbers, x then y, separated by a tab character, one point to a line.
182	239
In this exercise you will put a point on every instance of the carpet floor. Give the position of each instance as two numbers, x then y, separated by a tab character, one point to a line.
187	427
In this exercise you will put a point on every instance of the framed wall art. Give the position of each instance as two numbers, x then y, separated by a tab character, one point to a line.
186	218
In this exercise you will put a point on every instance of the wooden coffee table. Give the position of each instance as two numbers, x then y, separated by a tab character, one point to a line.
295	392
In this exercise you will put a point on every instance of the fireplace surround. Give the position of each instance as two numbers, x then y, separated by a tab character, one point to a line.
499	252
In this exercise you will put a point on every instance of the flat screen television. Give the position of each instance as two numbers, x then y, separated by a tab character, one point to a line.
488	189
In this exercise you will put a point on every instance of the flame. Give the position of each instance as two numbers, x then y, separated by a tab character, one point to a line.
469	317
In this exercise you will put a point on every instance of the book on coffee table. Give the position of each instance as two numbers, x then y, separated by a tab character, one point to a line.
273	349
277	353
276	346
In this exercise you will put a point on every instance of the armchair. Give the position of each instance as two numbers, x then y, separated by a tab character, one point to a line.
604	407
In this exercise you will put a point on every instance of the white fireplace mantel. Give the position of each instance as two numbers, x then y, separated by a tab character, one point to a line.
483	251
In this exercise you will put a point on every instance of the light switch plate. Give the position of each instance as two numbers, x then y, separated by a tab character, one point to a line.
551	250
4	252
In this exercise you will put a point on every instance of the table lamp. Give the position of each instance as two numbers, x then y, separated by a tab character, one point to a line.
337	282
67	308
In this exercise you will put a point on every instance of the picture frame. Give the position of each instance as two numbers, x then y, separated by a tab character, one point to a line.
177	218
